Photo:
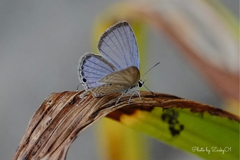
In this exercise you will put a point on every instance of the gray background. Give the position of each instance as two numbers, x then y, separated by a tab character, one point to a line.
40	44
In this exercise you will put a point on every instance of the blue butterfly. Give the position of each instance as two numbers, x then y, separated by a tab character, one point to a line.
116	69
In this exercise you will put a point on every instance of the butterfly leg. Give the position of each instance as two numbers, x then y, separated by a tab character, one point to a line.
139	95
119	98
130	97
137	91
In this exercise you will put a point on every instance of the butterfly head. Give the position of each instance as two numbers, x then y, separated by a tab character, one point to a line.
140	83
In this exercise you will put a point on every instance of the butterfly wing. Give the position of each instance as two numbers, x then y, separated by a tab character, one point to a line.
92	68
128	77
117	70
118	46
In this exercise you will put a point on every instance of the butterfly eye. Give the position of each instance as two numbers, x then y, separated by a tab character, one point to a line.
84	80
140	83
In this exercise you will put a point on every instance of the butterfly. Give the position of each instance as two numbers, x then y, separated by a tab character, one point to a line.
116	69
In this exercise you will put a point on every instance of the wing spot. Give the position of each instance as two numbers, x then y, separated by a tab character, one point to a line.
84	80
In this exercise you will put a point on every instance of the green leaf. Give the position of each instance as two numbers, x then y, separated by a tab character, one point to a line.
198	129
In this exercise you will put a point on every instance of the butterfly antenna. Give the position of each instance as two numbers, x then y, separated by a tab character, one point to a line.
150	69
149	90
145	80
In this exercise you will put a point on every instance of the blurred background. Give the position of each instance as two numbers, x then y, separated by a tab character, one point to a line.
41	42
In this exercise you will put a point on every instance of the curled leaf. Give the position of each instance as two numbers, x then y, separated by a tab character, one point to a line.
62	116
